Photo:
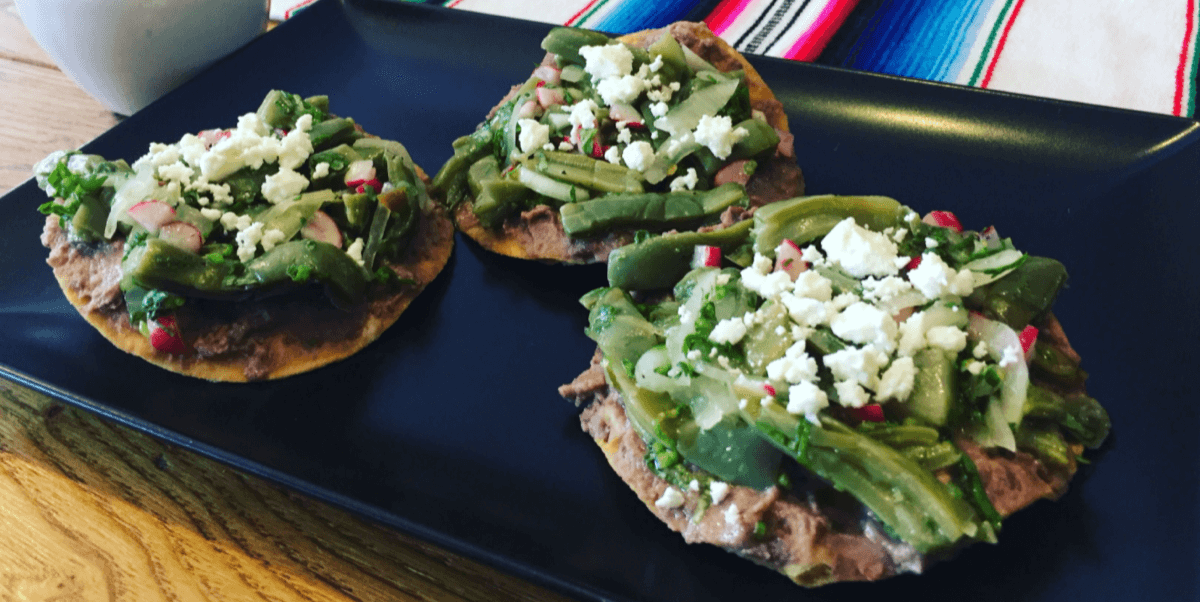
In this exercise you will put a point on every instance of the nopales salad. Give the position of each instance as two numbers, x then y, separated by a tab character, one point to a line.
613	136
292	196
843	340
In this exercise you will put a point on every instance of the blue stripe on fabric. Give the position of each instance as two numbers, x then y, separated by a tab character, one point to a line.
926	39
631	15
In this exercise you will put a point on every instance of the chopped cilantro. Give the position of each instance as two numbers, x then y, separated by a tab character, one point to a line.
299	272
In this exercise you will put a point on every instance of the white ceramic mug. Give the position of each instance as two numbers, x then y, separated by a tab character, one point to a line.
127	53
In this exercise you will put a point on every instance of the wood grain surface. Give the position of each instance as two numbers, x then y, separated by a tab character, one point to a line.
90	510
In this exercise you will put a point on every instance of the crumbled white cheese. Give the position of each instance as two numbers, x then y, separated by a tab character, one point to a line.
602	62
659	109
211	214
176	171
686	182
842	301
851	394
857	364
859	251
532	135
981	350
272	237
320	170
283	185
583	114
812	285
934	278
947	337
718	134
618	90
613	155
885	289
794	367
718	490
732	515
863	323
807	398
804	310
730	330
638	156
671	498
897	381
247	241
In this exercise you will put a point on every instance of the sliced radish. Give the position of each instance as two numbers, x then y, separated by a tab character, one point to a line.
183	235
706	256
1028	337
598	149
373	183
869	413
322	228
769	389
164	335
549	97
991	237
787	259
548	74
211	137
359	172
152	214
530	110
944	219
913	263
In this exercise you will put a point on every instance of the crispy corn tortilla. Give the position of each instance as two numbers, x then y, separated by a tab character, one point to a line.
538	234
251	340
810	544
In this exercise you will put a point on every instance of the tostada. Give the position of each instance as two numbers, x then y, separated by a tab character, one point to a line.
256	252
836	389
666	129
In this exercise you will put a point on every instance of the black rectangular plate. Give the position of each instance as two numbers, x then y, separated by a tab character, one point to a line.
450	427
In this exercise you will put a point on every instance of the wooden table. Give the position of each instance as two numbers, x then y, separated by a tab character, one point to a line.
91	510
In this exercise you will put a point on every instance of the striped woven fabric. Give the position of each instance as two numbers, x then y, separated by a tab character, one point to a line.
1135	54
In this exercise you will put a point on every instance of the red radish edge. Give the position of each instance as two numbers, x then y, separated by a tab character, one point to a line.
321	228
706	256
548	97
1028	337
359	172
548	75
530	109
373	183
183	235
944	219
787	259
769	389
869	413
152	214
164	335
913	263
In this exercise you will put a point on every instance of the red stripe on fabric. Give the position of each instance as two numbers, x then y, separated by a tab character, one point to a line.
812	42
454	4
725	14
1181	72
1000	44
575	17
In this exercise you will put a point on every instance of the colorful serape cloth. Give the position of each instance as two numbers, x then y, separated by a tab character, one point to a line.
1133	54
